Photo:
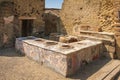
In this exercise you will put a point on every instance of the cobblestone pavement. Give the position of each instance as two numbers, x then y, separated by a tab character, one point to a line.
16	67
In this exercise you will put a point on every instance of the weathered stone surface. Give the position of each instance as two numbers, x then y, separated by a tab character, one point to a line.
91	15
107	72
118	47
6	29
108	40
52	21
9	30
65	60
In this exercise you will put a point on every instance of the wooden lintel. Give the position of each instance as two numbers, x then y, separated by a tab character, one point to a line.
24	17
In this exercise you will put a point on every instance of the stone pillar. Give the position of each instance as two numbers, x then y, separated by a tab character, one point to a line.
118	46
117	36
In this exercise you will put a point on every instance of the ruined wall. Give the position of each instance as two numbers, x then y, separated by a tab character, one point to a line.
31	8
97	14
6	30
52	21
92	15
10	24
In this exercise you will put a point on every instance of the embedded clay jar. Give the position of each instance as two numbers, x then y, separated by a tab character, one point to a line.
51	43
66	46
63	39
39	40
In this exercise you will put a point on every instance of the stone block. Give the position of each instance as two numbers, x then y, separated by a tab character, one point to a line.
65	59
108	40
118	46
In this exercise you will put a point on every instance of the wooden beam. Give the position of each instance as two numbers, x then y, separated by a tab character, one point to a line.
24	17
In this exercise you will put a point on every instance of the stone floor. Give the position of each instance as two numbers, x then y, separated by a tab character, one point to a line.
16	67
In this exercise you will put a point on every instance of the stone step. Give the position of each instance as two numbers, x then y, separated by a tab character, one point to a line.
105	35
108	72
97	38
113	74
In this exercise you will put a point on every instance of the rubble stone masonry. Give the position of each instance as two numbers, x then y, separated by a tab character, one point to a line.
20	10
97	15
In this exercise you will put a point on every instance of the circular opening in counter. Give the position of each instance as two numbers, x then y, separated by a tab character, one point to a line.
51	43
39	40
66	46
82	43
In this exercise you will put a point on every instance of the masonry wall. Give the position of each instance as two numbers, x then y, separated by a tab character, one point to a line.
6	30
52	21
19	8
92	15
31	8
98	14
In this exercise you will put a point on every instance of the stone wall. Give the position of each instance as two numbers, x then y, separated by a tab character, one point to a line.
31	8
92	15
97	14
53	22
10	22
6	27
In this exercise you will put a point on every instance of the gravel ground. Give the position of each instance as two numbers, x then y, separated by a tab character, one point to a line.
16	67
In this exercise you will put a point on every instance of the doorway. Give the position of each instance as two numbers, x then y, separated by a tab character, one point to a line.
27	27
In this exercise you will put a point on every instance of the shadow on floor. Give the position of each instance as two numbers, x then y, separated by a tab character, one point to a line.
10	52
118	76
90	69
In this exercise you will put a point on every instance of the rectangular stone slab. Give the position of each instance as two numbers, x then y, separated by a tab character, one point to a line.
105	72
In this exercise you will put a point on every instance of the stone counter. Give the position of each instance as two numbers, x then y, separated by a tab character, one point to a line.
63	58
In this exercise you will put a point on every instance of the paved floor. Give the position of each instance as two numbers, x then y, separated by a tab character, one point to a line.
16	67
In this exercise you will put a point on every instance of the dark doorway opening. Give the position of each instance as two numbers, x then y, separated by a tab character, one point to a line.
50	27
27	27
